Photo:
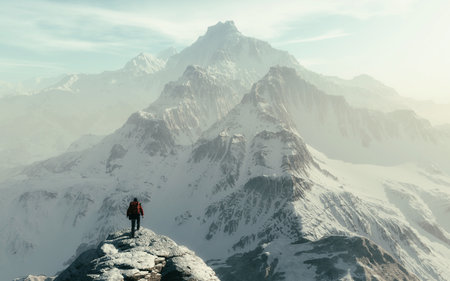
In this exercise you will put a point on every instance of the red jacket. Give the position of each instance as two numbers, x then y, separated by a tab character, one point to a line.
135	208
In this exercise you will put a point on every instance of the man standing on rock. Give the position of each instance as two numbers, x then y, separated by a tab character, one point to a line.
134	213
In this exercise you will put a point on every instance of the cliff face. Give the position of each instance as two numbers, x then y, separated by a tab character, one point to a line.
149	257
330	258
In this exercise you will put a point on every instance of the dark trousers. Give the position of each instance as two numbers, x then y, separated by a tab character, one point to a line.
135	219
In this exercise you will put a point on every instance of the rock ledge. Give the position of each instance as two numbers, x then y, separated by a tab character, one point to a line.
149	256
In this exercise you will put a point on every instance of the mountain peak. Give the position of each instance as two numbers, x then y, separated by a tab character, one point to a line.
223	29
144	63
147	257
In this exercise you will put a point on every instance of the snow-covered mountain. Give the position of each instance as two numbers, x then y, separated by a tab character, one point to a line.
97	104
144	63
46	123
365	92
224	50
357	134
194	102
250	180
82	104
332	257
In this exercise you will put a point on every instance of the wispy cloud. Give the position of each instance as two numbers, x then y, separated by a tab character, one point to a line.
89	27
62	30
329	35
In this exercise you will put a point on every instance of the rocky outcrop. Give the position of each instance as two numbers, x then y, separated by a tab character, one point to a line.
330	258
148	257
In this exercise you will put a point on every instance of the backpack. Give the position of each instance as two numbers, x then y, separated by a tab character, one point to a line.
134	208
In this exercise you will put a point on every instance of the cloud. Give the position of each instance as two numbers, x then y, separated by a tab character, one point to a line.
88	27
329	35
115	30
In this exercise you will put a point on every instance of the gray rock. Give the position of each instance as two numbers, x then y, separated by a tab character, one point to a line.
148	256
330	258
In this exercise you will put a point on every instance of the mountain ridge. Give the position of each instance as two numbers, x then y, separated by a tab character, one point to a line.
248	177
110	97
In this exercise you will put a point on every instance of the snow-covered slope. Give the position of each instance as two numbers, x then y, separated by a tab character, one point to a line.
358	135
364	91
81	104
43	125
144	63
225	51
194	102
251	180
333	258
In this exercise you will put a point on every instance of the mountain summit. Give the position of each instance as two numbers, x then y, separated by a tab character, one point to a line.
144	63
149	257
225	51
227	28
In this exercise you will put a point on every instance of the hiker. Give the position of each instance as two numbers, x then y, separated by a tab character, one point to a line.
134	213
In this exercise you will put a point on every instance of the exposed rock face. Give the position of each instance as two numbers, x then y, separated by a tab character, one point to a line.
149	257
359	135
226	51
330	258
250	180
194	102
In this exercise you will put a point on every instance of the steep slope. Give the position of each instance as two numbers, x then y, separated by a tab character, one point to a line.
366	92
43	125
64	112
299	195
185	108
250	181
225	51
359	135
83	104
194	102
144	63
334	258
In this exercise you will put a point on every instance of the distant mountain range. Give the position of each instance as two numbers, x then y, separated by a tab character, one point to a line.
62	110
251	161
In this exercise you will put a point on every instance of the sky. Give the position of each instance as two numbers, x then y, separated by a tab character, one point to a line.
402	43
